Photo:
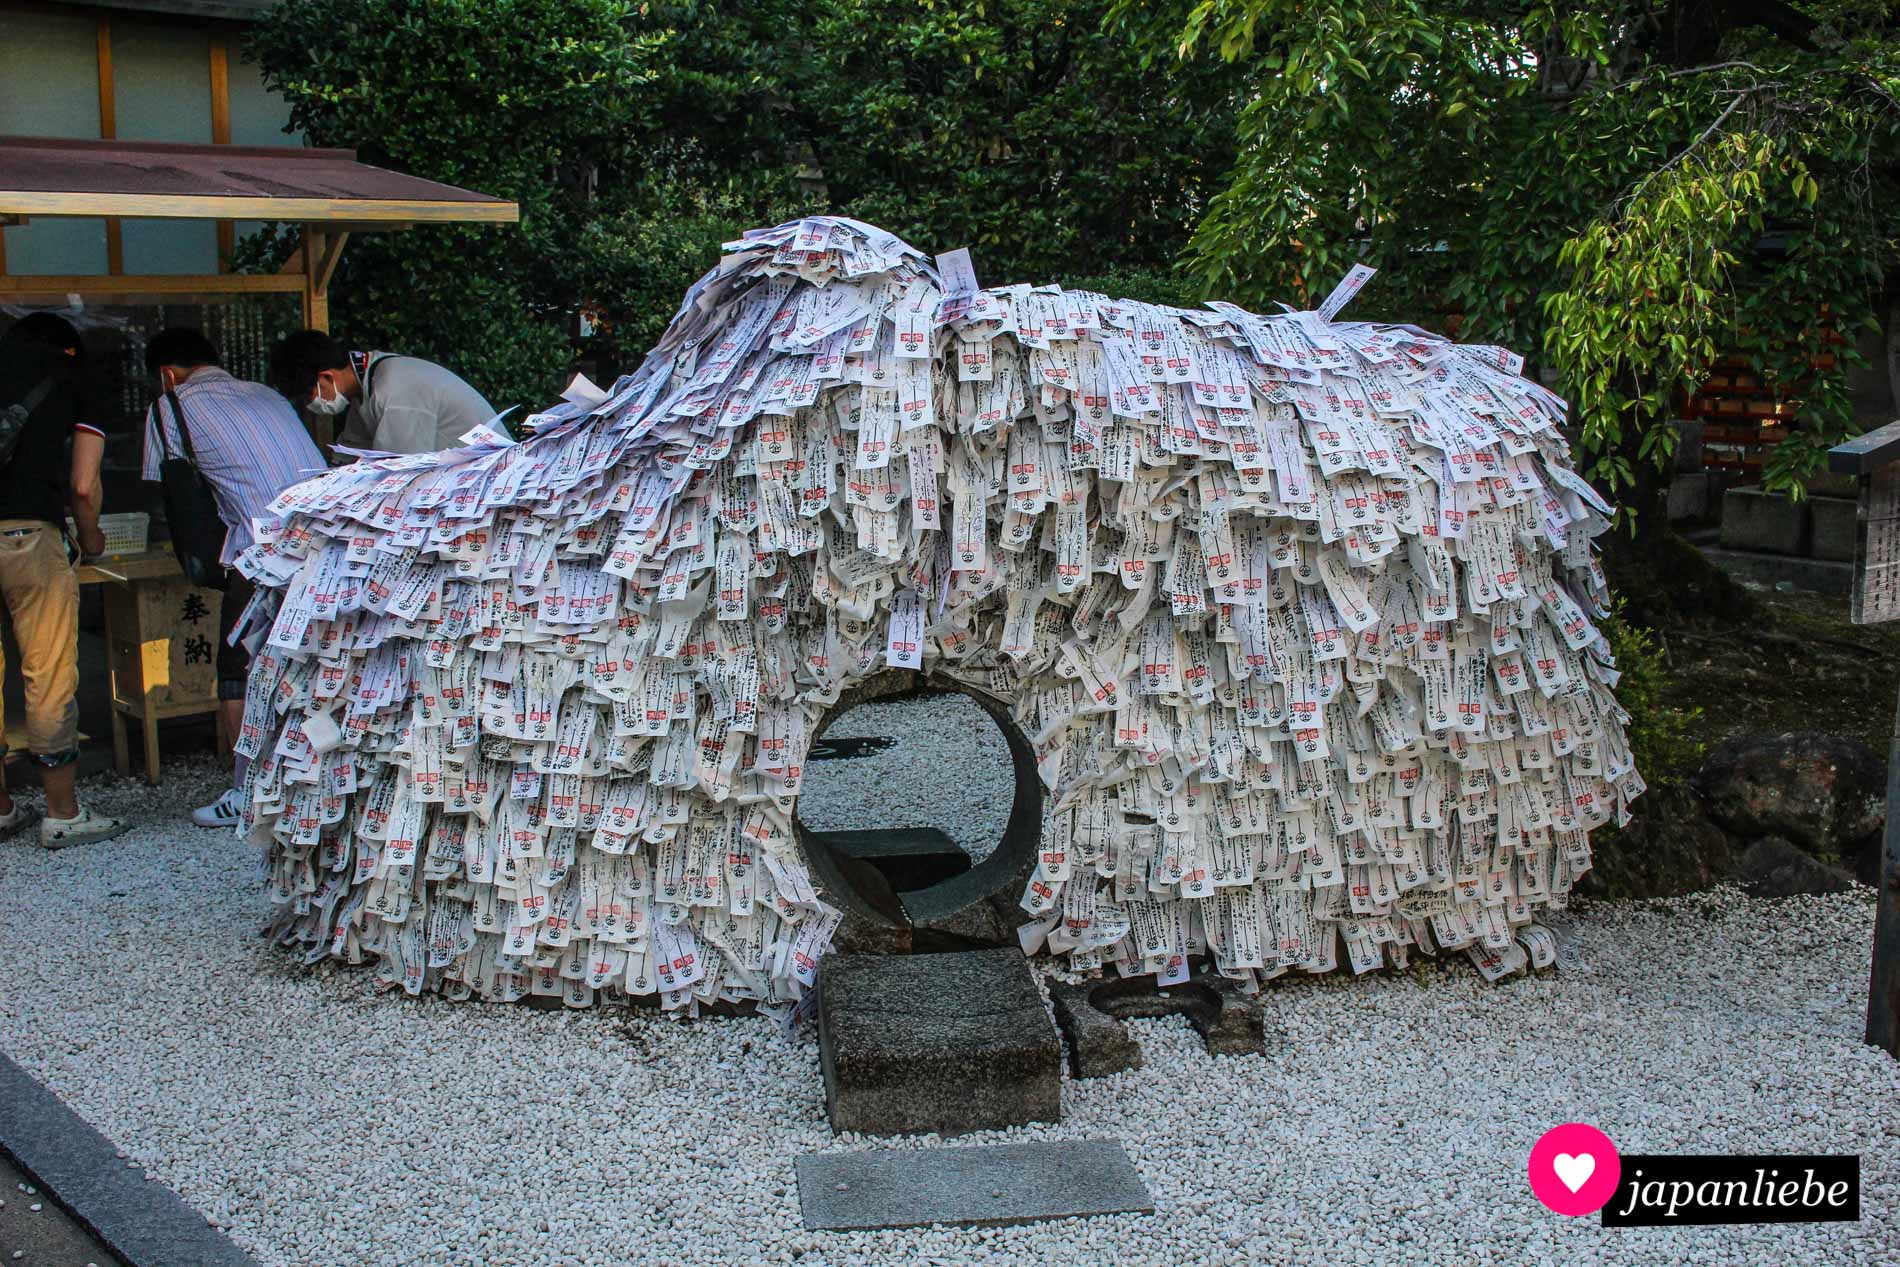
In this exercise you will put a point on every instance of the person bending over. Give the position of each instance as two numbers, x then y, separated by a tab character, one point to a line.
391	403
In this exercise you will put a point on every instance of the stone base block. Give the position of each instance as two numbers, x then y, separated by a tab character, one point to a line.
946	1043
1833	520
1689	497
1099	1044
1768	522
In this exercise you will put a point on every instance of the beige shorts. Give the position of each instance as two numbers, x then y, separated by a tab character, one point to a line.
41	593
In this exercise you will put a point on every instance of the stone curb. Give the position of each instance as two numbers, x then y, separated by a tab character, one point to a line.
142	1221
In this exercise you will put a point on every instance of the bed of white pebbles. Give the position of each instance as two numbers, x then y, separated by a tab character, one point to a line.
948	769
1389	1122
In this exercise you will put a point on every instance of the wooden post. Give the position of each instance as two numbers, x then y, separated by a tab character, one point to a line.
109	130
121	748
320	254
1883	991
221	135
316	291
1875	459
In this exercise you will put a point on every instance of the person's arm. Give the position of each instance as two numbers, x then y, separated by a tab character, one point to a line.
153	451
87	495
355	435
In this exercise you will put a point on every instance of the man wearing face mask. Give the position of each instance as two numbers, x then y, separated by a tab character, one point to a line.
249	445
394	404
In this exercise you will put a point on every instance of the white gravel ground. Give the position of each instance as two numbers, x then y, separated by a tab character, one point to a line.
1389	1122
949	770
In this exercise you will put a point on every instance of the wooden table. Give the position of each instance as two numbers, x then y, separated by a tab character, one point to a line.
161	647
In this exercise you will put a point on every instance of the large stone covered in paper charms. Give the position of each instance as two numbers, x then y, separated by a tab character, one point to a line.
1296	613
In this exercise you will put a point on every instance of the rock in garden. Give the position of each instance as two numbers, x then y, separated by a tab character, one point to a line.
1670	847
1772	867
1825	793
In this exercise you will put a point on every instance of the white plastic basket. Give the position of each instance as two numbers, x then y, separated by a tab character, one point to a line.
125	533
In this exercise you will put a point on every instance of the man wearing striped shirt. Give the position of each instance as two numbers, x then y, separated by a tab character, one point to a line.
249	445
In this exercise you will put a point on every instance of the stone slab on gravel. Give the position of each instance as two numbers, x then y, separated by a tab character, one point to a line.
909	857
969	1187
949	1043
145	1223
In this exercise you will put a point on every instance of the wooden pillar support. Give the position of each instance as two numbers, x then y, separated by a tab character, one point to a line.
1883	991
333	245
221	135
1875	458
318	258
109	130
316	289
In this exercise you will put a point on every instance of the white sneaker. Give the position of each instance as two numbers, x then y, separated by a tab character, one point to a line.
21	817
223	812
86	828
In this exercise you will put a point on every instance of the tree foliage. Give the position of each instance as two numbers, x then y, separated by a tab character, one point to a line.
1016	127
1628	189
1666	740
498	96
638	137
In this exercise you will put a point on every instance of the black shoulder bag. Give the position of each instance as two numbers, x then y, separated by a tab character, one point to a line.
190	508
14	417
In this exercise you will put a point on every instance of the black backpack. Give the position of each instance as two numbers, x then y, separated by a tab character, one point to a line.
14	417
190	508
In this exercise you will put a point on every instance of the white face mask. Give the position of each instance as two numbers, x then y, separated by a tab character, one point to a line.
332	405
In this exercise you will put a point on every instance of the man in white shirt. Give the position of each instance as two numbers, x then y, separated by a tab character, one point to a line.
394	404
249	445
